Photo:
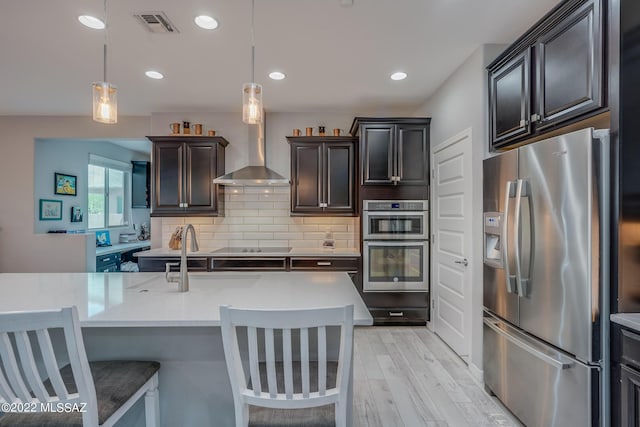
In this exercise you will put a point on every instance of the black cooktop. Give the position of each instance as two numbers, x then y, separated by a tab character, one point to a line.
252	250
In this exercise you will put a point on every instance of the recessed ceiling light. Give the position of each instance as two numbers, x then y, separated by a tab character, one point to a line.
398	76
91	22
277	75
154	75
206	22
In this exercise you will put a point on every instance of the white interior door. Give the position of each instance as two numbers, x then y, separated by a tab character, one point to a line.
451	241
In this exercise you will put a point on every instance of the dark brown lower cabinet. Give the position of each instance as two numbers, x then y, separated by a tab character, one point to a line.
158	264
630	396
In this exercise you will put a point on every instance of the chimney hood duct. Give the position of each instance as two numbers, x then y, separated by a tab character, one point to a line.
256	174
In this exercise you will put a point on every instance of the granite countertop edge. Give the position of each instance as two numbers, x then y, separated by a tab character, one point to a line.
629	320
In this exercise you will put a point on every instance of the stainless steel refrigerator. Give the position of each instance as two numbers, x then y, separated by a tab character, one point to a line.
545	279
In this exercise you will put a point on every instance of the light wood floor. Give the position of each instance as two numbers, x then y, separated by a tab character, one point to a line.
407	376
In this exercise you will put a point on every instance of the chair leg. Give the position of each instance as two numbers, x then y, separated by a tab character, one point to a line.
341	415
242	414
152	404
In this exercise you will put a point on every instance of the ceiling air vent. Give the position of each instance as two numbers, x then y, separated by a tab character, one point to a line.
156	22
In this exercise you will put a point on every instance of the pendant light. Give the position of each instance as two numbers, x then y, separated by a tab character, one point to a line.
252	92
105	95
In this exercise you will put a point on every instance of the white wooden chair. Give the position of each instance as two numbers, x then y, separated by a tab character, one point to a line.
107	388
308	394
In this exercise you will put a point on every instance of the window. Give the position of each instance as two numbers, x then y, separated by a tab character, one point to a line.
108	198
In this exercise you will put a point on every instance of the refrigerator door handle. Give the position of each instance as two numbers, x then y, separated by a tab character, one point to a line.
558	364
505	240
521	191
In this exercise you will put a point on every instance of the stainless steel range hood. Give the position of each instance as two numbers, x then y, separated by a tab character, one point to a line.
256	174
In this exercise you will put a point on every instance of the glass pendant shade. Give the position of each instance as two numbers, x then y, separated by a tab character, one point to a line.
252	103
105	103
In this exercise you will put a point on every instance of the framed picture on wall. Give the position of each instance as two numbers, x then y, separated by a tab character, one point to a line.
76	214
50	210
65	184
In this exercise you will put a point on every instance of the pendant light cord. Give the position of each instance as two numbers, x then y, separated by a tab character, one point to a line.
253	44
104	70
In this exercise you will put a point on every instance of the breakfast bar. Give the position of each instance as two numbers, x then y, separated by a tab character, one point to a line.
141	316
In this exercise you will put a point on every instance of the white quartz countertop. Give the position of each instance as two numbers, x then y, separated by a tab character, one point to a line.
122	247
295	252
147	300
630	320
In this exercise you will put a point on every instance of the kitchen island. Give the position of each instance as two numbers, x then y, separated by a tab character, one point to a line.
141	316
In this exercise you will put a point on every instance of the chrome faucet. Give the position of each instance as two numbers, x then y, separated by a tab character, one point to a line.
182	278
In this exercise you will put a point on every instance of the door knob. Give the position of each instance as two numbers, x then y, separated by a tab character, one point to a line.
463	262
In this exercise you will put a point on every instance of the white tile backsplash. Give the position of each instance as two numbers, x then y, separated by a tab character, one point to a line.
259	216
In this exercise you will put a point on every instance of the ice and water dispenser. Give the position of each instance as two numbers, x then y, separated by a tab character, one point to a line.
493	239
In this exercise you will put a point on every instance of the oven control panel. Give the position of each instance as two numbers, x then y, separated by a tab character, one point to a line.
396	205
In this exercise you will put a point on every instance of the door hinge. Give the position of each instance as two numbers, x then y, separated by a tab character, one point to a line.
433	173
433	303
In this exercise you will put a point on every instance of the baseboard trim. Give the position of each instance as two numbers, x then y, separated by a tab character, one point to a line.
476	372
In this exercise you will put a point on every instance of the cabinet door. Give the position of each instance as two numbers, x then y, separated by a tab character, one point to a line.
339	177
200	172
412	147
569	60
630	396
306	177
140	184
168	170
377	153
510	99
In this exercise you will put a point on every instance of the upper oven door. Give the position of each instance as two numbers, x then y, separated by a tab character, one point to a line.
395	226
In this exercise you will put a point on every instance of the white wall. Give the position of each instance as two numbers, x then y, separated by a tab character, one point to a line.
461	103
21	250
71	156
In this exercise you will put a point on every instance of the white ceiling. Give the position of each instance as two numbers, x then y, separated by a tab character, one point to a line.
335	58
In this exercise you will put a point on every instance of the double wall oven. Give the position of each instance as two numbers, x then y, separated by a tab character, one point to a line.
395	247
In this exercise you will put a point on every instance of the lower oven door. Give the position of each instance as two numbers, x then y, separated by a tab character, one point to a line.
396	266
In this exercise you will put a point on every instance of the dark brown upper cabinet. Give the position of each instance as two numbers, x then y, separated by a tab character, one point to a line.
552	75
511	98
393	151
183	170
569	61
140	184
323	175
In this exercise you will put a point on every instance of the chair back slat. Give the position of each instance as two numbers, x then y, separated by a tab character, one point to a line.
269	348
287	363
51	364
29	366
6	394
254	361
304	361
322	360
13	371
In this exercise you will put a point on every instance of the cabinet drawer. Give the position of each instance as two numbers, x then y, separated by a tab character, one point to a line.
324	263
146	264
631	348
108	263
399	316
244	263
